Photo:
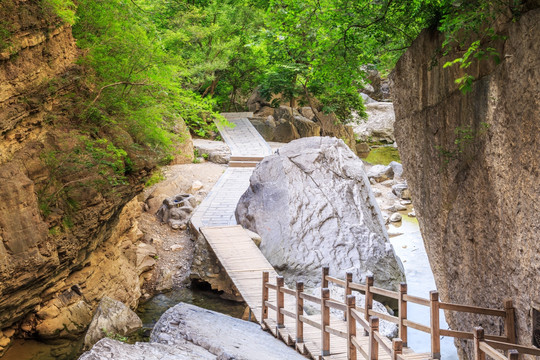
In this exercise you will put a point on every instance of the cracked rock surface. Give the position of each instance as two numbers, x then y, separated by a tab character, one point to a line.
312	204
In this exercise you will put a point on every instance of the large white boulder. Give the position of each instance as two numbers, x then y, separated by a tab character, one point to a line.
313	206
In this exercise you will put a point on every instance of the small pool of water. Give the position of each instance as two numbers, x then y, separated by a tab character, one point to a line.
149	312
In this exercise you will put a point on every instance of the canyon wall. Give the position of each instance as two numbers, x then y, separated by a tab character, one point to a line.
471	161
56	261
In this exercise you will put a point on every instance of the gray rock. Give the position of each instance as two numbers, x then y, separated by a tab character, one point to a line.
307	112
176	210
112	318
218	152
396	207
222	335
367	99
395	217
380	173
401	190
312	204
379	125
398	170
270	121
113	349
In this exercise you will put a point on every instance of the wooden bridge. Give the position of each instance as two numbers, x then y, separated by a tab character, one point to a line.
281	310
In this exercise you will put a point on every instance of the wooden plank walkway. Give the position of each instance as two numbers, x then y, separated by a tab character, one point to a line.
242	260
342	339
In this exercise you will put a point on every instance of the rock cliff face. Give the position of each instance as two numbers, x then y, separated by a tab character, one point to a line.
477	200
54	268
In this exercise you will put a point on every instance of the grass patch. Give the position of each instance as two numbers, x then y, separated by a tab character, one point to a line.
383	155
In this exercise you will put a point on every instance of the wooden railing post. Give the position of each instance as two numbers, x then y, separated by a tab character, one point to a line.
325	321
369	298
478	337
434	325
348	290
509	326
402	309
264	310
351	327
325	272
373	344
299	312
513	355
280	301
397	348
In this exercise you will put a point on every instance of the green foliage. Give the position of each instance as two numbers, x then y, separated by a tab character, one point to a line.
5	35
139	76
90	163
156	177
114	336
465	138
469	28
64	9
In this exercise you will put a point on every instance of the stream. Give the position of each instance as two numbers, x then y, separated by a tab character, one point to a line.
410	248
149	312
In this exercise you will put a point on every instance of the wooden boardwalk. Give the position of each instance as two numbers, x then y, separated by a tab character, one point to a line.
242	260
280	310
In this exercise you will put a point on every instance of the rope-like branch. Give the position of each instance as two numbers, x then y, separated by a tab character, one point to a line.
114	84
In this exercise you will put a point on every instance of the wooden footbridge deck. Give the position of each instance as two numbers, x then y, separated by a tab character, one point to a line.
323	335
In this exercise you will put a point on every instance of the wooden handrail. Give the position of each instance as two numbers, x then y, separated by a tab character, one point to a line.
368	319
387	317
288	291
416	300
357	287
417	326
519	348
483	347
336	281
382	343
288	313
472	309
358	317
491	352
311	298
310	322
270	286
334	304
325	321
384	292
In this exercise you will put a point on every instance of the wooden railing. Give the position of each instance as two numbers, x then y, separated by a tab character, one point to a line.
368	319
484	347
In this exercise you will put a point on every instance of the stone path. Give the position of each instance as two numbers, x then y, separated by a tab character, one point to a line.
218	208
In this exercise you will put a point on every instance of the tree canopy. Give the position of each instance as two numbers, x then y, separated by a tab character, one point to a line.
156	61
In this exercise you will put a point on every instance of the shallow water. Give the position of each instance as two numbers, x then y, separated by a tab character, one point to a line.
410	248
149	312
